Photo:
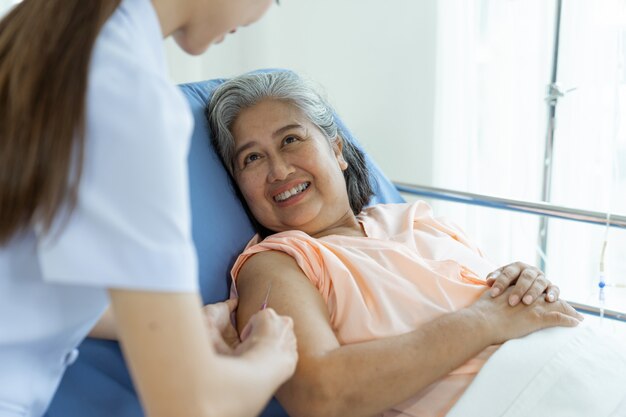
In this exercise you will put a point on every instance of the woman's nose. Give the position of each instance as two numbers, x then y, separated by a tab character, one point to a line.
280	169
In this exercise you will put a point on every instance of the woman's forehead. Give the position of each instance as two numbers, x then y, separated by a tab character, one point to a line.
274	106
266	117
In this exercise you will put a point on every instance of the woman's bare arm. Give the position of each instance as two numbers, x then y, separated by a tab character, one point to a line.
360	379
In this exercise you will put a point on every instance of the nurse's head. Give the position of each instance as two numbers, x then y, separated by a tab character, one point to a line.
196	24
46	48
279	141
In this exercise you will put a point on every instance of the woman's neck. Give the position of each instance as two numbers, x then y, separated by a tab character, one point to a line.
347	225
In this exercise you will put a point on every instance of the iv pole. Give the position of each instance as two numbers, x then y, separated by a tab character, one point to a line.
554	93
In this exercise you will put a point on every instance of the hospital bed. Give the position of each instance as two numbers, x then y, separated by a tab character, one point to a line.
98	383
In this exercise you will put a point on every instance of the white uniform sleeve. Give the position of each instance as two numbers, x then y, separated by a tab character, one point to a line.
132	227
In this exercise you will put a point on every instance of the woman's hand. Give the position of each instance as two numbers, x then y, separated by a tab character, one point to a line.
504	322
222	333
272	336
529	283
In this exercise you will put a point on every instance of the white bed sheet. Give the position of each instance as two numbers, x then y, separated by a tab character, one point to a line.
557	372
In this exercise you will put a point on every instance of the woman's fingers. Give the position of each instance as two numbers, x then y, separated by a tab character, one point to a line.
537	282
561	313
567	309
529	283
552	293
502	278
556	318
524	283
506	322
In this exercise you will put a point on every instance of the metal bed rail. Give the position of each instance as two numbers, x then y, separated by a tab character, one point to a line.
536	208
595	311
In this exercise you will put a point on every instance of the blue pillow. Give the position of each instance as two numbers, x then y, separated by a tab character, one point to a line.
98	383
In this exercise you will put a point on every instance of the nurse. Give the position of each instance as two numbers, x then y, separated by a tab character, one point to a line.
94	208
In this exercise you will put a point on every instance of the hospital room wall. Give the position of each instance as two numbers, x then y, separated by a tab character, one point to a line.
376	65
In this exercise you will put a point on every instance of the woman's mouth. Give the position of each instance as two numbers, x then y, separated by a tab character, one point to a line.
286	195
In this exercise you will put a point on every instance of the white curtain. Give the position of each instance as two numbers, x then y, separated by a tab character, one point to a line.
493	66
494	62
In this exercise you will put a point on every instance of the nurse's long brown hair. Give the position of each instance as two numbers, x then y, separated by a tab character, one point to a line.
45	50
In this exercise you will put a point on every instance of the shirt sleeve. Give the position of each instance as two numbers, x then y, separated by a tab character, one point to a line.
131	227
293	243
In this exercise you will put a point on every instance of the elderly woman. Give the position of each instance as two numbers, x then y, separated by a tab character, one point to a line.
390	305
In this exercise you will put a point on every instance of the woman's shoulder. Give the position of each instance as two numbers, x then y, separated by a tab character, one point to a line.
284	249
266	260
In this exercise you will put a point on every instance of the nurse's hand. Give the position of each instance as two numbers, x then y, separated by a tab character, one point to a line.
270	337
529	284
221	330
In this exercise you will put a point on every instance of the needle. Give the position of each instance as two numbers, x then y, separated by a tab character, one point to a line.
267	296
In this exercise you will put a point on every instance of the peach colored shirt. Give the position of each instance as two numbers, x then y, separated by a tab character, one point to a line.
410	269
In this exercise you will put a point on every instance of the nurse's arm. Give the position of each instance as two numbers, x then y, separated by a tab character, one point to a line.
223	335
173	363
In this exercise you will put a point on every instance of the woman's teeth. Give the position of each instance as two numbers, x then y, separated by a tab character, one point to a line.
290	193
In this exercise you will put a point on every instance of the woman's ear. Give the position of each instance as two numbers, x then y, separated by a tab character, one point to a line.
338	150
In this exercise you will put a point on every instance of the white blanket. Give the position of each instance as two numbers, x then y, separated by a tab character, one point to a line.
557	372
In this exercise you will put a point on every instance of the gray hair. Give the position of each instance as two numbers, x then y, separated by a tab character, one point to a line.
245	91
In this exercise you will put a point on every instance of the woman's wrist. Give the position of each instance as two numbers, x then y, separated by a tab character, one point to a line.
479	324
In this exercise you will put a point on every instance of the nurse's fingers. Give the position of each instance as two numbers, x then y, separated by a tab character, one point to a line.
221	330
219	344
219	313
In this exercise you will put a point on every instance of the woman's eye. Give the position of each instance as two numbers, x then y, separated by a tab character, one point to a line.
250	158
290	139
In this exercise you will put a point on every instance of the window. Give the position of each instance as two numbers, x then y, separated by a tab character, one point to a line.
494	63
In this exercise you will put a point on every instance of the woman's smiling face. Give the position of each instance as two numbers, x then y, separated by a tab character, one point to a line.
289	174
